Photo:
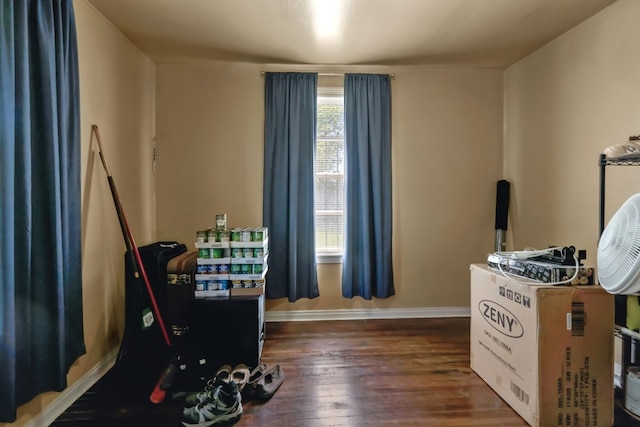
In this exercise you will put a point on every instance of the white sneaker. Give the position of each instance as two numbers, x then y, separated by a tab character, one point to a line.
627	151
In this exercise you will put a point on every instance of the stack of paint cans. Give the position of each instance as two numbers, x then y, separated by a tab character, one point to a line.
248	258
212	235
249	234
219	233
231	261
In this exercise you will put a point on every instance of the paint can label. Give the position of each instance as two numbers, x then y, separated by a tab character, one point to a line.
257	234
216	253
257	268
221	221
204	253
237	252
245	235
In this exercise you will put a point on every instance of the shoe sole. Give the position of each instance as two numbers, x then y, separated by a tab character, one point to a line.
221	419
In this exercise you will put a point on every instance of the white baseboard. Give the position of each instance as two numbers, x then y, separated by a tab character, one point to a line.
366	313
73	392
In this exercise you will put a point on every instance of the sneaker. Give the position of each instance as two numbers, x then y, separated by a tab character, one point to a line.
194	399
628	150
223	405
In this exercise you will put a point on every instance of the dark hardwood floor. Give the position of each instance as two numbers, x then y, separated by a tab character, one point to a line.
411	372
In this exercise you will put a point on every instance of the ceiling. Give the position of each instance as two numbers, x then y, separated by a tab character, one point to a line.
485	33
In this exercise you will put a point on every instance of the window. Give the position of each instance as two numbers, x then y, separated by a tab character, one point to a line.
329	176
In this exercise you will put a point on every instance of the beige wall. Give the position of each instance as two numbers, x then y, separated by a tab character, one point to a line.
563	105
447	157
117	93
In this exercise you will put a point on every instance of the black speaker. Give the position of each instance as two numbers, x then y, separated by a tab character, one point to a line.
502	214
502	204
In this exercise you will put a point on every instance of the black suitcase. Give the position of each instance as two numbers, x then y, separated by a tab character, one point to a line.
144	353
155	258
181	272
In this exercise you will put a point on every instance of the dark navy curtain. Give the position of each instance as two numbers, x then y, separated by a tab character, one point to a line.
367	269
40	260
288	204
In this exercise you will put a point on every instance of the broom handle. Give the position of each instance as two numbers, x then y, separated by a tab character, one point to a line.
129	240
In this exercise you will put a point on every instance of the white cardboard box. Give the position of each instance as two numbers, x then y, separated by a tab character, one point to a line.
546	350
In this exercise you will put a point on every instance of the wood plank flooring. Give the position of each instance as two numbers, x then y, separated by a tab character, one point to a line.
411	372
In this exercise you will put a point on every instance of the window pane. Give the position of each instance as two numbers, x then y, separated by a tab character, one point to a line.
329	184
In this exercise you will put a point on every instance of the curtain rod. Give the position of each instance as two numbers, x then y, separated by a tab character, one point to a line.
392	75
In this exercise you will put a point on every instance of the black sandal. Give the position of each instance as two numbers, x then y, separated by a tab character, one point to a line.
256	374
270	383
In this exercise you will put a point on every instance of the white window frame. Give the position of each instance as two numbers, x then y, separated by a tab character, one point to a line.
327	94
